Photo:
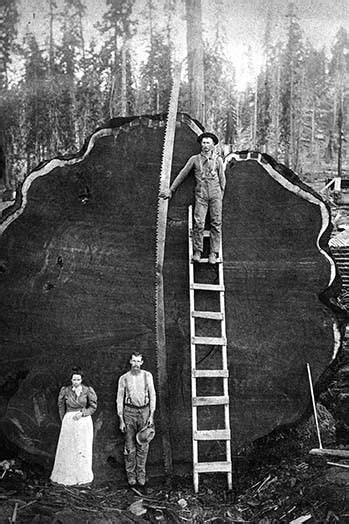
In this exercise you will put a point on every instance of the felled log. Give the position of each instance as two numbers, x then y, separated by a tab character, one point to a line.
77	259
325	452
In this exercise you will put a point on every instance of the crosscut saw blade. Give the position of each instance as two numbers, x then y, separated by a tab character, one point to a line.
161	356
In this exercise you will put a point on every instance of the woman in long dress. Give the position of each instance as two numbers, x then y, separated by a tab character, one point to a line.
73	461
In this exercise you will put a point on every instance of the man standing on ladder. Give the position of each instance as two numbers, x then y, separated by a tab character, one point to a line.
209	189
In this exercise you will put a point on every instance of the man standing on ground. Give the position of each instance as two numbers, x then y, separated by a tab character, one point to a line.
209	189
136	402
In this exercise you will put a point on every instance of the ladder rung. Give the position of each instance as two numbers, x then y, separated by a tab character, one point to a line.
213	315
207	287
207	373
212	467
210	401
205	260
210	341
212	434
207	232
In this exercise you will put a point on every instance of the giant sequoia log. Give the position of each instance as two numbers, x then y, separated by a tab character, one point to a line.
77	283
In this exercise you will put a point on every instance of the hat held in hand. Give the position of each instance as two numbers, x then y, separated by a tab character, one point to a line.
145	435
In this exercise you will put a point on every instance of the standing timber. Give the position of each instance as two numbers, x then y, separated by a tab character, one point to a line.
77	287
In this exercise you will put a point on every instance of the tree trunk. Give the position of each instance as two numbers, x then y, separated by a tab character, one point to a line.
51	46
340	133
151	40
81	29
290	162
113	75
312	143
195	49
123	101
255	109
63	298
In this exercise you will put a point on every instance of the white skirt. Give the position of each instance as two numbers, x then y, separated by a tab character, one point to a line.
73	461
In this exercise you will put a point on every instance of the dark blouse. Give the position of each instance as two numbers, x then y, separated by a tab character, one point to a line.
86	402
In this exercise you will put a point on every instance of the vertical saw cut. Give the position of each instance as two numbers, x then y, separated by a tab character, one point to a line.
161	225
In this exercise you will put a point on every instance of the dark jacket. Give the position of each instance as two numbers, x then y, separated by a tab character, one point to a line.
86	402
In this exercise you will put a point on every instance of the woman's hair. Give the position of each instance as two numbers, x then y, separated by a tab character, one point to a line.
76	371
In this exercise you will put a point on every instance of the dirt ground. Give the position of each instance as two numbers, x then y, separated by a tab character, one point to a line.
274	493
274	481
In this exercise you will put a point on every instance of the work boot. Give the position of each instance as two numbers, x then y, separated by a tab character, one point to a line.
132	482
196	256
212	259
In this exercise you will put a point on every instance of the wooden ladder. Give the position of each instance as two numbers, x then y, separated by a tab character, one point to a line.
224	466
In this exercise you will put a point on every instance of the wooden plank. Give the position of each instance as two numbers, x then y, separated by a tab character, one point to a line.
207	287
212	434
344	453
213	315
212	467
208	373
210	341
210	401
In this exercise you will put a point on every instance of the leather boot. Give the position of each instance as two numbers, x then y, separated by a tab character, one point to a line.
196	256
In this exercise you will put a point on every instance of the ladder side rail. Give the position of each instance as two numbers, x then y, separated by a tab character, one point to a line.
200	467
225	365
192	347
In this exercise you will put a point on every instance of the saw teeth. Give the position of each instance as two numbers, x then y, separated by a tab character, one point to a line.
161	222
166	163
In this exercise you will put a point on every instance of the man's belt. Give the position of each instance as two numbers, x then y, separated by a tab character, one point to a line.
136	407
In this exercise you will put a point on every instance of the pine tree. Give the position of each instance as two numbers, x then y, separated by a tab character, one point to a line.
8	30
291	78
220	97
117	29
90	103
219	83
35	128
52	80
316	112
195	52
339	71
156	75
264	89
69	54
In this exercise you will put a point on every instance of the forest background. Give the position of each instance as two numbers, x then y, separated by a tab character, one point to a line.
70	67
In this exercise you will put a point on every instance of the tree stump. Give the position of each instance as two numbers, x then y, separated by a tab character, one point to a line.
77	287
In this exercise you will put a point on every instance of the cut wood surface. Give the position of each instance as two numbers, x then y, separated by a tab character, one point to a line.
77	284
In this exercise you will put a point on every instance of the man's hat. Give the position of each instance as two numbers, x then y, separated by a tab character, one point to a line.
208	135
145	435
